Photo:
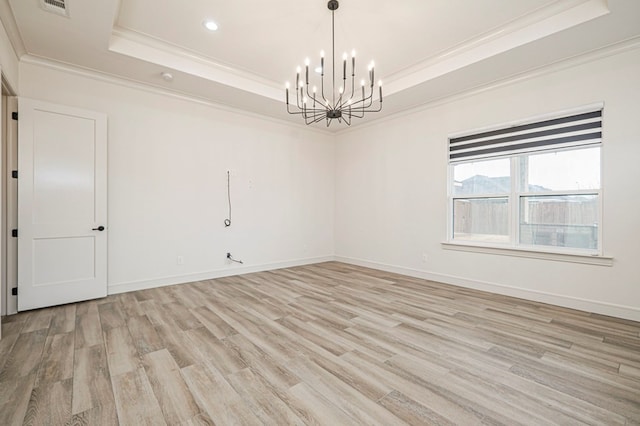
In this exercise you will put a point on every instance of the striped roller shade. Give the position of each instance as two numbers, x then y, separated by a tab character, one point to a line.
562	132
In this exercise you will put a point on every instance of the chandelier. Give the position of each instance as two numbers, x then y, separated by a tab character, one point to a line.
340	103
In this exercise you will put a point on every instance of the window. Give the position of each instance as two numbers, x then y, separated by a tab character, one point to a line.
531	186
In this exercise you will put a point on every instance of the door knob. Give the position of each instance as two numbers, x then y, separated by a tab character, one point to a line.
99	228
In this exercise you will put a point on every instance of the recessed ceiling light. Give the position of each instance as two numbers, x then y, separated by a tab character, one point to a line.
210	25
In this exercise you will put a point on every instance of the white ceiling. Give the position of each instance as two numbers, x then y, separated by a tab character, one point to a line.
423	49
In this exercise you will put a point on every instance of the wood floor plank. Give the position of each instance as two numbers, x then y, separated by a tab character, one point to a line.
111	315
38	320
88	328
227	407
14	399
275	373
201	419
136	403
181	315
10	334
175	340
63	319
349	399
315	409
92	390
144	335
262	398
319	344
175	400
629	371
122	354
98	415
214	351
50	404
213	322
56	363
410	411
25	356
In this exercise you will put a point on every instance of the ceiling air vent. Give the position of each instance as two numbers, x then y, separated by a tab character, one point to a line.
56	6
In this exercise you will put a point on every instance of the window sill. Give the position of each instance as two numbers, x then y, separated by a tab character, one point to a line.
533	254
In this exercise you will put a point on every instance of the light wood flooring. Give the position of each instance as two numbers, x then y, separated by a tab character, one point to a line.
329	344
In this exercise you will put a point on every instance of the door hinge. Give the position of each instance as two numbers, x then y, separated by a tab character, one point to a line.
14	116
14	174
14	291
14	233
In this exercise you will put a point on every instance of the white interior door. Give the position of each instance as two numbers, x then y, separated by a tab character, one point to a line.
62	204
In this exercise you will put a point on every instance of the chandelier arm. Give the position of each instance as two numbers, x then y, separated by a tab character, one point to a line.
326	102
353	82
347	117
316	118
365	102
298	112
299	98
315	98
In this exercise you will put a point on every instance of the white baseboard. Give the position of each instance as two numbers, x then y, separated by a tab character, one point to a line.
610	309
619	311
208	275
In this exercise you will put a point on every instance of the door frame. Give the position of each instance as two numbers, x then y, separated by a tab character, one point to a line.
9	162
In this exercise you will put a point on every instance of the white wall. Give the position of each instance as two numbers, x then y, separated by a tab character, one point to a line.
391	183
167	183
168	157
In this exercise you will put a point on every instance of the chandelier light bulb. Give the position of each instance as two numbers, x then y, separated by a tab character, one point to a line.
353	53
286	85
315	89
322	53
307	62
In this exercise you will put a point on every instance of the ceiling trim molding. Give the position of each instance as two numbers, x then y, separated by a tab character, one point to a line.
158	90
11	27
541	23
150	49
566	63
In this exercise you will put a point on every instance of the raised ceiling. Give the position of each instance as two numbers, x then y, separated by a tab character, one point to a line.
423	49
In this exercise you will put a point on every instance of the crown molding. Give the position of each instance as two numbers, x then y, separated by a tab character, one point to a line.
158	90
146	48
10	26
560	65
547	20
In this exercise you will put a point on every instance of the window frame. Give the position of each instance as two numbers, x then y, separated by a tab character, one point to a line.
514	246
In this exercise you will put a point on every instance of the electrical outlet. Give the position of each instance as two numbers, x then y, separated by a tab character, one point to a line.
180	260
